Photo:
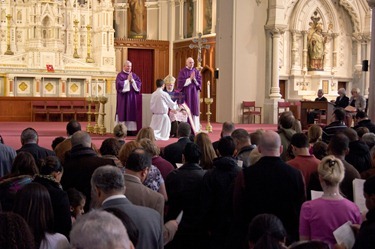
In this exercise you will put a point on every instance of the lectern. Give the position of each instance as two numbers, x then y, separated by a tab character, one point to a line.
320	105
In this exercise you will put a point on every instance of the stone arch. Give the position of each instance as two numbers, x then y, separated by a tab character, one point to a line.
348	5
305	9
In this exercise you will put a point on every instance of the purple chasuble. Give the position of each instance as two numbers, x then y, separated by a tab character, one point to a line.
127	106
190	91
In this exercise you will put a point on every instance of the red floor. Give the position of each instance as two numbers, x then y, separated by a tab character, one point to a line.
10	131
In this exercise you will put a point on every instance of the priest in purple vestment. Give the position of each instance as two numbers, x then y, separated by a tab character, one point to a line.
128	86
190	82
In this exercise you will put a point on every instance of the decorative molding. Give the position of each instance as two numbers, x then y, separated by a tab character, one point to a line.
141	43
348	5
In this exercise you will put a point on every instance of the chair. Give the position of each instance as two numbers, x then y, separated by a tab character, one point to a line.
53	108
283	107
80	109
38	108
250	110
66	109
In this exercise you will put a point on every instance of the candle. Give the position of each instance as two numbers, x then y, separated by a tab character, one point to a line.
208	89
88	6
77	9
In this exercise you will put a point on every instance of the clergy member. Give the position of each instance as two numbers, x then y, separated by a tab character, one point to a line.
190	82
128	86
159	104
179	116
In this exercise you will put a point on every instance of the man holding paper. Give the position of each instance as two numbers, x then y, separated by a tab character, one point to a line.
128	86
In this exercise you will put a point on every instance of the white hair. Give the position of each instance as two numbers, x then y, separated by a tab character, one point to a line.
99	230
342	90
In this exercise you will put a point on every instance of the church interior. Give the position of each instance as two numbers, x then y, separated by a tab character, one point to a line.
267	51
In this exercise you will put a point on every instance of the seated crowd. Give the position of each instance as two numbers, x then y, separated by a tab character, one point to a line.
242	191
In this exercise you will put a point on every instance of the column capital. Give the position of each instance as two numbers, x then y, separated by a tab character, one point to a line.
276	29
150	4
371	3
362	37
294	31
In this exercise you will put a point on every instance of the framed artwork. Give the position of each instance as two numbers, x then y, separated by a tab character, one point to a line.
325	86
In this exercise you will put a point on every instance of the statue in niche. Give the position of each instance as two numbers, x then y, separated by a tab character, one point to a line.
207	17
316	41
137	19
189	8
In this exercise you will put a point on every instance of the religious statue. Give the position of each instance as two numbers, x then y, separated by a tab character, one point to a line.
137	18
207	29
316	44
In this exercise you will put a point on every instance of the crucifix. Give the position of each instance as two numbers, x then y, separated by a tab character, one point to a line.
199	45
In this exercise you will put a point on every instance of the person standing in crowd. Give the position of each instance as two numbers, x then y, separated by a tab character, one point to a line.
29	141
7	155
270	176
190	82
320	217
128	86
159	104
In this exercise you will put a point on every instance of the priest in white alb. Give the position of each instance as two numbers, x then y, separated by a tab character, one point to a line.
160	103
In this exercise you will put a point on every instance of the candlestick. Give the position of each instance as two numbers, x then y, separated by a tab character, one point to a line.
97	88
208	89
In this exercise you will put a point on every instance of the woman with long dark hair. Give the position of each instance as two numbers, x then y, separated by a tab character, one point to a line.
50	175
33	203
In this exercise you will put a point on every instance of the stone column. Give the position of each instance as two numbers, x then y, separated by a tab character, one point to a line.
334	51
62	87
275	89
366	39
181	21
371	101
198	23
357	38
172	31
87	88
304	60
37	87
10	89
214	15
295	51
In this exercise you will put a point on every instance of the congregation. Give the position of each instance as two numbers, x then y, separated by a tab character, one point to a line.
242	191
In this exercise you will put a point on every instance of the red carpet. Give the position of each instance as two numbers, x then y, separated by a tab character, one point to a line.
11	131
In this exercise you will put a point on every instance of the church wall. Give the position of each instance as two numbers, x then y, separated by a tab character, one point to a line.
241	56
249	50
225	61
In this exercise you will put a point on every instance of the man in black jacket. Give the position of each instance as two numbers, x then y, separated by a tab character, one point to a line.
173	152
364	121
29	141
79	165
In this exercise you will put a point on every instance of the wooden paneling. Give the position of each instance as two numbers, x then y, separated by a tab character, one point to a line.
181	51
161	54
19	108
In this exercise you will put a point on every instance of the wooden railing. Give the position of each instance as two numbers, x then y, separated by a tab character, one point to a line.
43	109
